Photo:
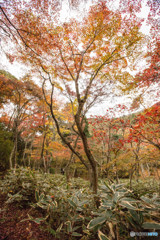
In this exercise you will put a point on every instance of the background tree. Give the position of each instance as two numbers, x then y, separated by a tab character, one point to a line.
22	94
6	145
146	126
109	140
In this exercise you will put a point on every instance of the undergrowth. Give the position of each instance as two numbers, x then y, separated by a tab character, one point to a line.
70	212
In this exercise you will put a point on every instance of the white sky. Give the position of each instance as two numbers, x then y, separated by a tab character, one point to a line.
18	70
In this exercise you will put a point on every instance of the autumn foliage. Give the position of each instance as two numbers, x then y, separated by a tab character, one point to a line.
78	64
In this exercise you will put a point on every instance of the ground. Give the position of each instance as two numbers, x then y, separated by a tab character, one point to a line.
11	227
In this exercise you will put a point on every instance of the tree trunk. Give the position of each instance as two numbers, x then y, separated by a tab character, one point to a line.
131	177
31	149
148	169
142	170
95	178
44	164
15	151
24	153
11	157
42	159
117	179
93	164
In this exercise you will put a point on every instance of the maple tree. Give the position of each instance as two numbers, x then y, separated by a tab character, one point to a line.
148	79
151	74
82	60
142	137
22	94
123	145
34	125
146	126
109	140
6	145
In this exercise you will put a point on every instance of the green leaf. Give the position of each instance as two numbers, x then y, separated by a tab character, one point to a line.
150	209
96	221
147	200
26	219
102	236
59	228
75	228
127	205
127	199
69	226
131	221
108	187
41	196
87	232
41	206
52	231
118	186
38	220
72	203
151	225
75	234
136	217
36	196
75	199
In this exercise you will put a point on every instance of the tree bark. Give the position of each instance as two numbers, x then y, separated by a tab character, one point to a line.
93	163
42	159
11	157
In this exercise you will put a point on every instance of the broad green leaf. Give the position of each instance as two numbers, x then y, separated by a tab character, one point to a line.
96	221
150	209
137	217
59	228
36	196
151	225
41	196
75	200
102	236
42	206
79	209
116	197
54	204
120	185
109	188
75	234
131	220
127	205
108	203
147	200
75	228
38	220
69	226
127	199
52	231
87	232
72	203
